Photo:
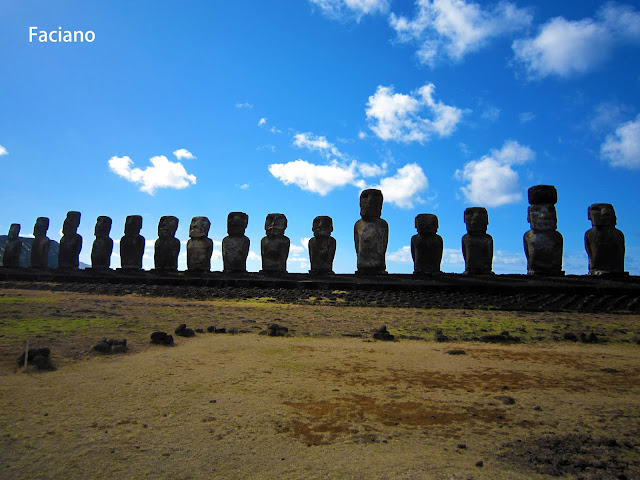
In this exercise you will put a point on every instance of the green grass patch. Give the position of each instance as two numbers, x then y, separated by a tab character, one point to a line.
46	325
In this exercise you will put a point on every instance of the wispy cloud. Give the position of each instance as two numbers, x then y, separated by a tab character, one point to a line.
491	180
3	151
566	48
318	143
397	116
526	117
454	28
183	153
622	148
347	9
246	105
162	173
263	124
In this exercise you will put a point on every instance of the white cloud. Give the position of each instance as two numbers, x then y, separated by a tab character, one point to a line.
351	8
314	178
526	117
183	153
454	28
244	186
622	148
371	170
262	122
362	135
244	105
491	180
403	188
161	174
402	255
314	142
566	47
608	115
395	116
3	151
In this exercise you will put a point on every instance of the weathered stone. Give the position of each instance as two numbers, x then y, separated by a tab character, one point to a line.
604	242
275	330
275	245
102	346
132	244
371	234
161	338
181	328
381	333
33	353
235	246
322	246
40	246
543	244
167	246
477	245
103	245
13	247
71	242
199	246
426	246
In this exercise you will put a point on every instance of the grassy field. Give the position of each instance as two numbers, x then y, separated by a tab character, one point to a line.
325	402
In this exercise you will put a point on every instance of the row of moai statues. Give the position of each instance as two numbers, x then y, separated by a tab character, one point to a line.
543	244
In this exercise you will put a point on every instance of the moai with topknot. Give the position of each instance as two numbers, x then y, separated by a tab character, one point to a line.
132	244
235	246
13	247
102	247
199	246
604	242
167	246
426	246
322	246
40	246
543	243
371	234
477	245
274	247
71	242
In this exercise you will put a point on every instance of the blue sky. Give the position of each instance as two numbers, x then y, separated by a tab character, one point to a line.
293	106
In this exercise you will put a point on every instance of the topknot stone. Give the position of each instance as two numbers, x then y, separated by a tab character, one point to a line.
539	194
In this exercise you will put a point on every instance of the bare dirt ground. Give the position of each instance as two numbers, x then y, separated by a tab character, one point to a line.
325	402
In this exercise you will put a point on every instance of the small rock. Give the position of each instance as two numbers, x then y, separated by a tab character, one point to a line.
507	400
571	337
161	338
211	329
102	346
462	446
456	352
221	330
199	330
181	328
480	464
275	330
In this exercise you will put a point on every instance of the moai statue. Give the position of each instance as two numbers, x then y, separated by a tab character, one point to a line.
426	246
102	245
199	246
167	246
371	234
477	245
132	244
275	246
40	246
11	256
543	243
71	242
604	242
322	246
235	246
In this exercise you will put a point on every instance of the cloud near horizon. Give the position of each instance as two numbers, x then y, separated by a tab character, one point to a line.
162	173
622	148
396	116
491	180
566	48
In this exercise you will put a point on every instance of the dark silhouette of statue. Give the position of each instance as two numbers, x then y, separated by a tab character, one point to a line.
13	247
71	242
275	246
167	246
40	246
322	246
426	246
543	243
235	246
102	245
132	244
604	242
371	234
199	246
477	245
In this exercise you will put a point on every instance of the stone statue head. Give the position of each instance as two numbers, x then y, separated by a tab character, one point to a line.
103	226
602	214
426	223
132	225
476	219
237	223
371	203
71	223
542	217
275	224
199	227
539	194
322	226
41	227
167	226
14	231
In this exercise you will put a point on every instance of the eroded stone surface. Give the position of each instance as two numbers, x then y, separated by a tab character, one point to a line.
167	246
102	245
275	246
132	244
477	245
199	246
604	242
322	246
40	246
235	246
543	243
371	234
71	242
11	255
427	245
